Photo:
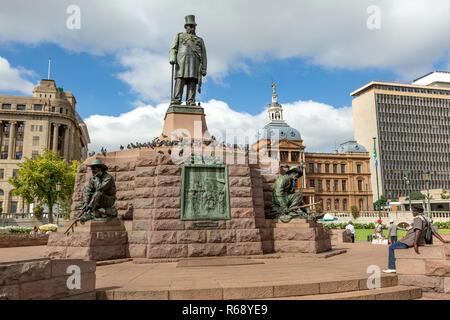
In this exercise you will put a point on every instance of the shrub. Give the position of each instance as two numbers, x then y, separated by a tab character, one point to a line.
19	230
355	213
38	212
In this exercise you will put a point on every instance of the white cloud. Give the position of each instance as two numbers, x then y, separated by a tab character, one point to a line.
319	124
413	36
12	79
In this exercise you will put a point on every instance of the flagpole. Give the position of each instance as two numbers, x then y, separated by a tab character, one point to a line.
376	172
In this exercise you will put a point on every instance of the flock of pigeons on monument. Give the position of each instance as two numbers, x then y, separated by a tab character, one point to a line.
178	141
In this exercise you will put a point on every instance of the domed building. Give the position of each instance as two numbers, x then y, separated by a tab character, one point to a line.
336	181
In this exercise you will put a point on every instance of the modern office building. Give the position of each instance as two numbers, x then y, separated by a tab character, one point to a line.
411	127
336	181
29	124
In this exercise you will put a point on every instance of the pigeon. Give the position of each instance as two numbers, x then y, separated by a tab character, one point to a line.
163	135
159	151
169	151
121	147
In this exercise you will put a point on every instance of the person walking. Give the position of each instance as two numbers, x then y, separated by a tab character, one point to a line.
351	228
392	231
415	237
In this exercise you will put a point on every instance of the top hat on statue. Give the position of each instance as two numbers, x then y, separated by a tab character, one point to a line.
190	20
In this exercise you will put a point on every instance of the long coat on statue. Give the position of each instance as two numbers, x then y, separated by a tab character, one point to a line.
183	51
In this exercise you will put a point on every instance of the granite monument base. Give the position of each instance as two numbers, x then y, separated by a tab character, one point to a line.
295	236
95	240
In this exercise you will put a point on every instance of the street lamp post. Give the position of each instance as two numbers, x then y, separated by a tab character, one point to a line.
426	178
408	183
58	189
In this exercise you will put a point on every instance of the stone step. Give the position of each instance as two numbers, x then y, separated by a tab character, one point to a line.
280	290
440	252
388	293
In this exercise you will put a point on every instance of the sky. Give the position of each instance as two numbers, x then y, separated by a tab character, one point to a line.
113	55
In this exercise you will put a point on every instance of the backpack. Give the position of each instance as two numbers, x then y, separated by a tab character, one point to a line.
428	230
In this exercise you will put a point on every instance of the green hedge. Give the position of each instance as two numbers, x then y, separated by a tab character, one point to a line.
356	225
20	230
442	225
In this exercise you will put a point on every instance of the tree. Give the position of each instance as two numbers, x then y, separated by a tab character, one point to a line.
383	201
416	195
444	195
318	208
355	212
36	180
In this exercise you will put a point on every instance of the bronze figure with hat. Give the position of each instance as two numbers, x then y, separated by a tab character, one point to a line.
99	195
286	203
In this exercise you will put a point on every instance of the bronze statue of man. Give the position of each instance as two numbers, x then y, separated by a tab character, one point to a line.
286	203
188	54
99	195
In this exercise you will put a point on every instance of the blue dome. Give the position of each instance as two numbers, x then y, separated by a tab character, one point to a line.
350	146
280	130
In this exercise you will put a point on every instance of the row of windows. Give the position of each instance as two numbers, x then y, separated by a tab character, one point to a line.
400	147
318	168
3	176
35	107
312	184
344	204
409	89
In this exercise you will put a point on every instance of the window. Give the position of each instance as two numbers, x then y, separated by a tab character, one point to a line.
19	155
295	156
358	168
284	156
34	154
6	106
4	155
334	167
40	128
312	183
19	142
21	128
327	168
13	207
53	109
360	185
15	172
2	174
336	182
311	167
321	203
344	185
344	204
328	184
361	204
60	110
319	167
35	140
336	204
328	204
32	127
37	107
342	168
20	107
319	184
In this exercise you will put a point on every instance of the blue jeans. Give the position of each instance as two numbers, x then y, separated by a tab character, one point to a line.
392	247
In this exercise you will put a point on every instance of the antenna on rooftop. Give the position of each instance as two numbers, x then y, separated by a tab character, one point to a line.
49	63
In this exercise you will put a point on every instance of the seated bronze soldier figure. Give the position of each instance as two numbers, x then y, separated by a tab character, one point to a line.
286	203
99	195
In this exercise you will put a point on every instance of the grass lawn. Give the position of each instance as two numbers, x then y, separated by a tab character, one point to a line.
361	234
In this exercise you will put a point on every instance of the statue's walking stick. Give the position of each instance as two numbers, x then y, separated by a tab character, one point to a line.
171	84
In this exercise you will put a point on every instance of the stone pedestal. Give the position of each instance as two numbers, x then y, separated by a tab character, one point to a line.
190	120
429	270
295	236
95	240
